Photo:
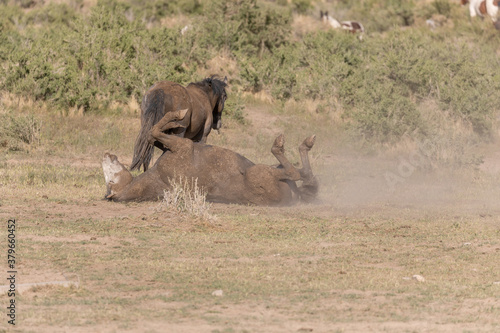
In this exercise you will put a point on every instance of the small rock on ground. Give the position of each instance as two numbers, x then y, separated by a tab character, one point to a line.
218	293
419	278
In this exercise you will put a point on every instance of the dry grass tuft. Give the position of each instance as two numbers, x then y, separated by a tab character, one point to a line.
74	111
19	132
10	102
186	197
261	96
131	108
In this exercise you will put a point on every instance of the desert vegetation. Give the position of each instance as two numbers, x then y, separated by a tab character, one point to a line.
100	58
406	119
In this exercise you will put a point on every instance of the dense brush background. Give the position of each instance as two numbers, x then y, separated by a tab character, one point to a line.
402	83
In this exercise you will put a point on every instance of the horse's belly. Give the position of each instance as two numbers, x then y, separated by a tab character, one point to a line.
223	187
262	187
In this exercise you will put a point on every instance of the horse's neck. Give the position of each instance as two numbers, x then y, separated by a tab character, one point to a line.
213	98
207	91
333	22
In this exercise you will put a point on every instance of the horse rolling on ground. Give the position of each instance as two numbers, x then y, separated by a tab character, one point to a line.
204	102
223	174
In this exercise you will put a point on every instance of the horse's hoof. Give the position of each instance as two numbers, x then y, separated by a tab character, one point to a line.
308	142
181	114
278	145
151	139
280	141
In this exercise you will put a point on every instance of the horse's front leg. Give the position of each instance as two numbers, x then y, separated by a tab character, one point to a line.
289	172
310	185
304	148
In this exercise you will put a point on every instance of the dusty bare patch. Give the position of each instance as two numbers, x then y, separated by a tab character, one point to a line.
222	64
303	24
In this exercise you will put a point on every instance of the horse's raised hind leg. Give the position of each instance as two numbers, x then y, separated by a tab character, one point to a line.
289	172
169	121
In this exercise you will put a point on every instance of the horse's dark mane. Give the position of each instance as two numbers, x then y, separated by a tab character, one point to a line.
218	86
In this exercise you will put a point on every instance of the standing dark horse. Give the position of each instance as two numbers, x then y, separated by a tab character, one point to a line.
204	101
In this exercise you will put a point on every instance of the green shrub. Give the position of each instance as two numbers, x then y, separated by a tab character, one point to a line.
302	6
234	108
51	14
470	88
410	68
155	10
10	18
248	28
306	69
442	7
381	82
383	15
104	58
404	9
56	53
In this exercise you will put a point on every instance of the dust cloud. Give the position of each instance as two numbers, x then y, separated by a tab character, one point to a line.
355	181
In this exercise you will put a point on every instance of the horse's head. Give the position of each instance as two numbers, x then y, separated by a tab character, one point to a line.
116	175
220	96
323	15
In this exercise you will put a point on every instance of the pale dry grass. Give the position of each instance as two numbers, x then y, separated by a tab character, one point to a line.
223	64
74	111
132	108
177	21
304	24
187	198
317	109
11	102
449	140
261	96
83	6
20	124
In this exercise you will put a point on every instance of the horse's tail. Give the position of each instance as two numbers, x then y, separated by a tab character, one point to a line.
153	111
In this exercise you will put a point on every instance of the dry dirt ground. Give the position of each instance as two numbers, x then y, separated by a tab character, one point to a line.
345	264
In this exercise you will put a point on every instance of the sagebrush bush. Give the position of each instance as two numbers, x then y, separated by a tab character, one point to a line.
95	60
442	7
302	6
249	28
412	67
56	53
